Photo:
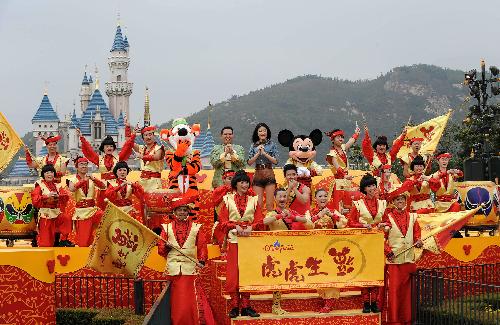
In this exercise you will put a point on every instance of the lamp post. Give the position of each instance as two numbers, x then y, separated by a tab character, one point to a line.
483	118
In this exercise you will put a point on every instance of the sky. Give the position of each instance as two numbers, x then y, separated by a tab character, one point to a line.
191	52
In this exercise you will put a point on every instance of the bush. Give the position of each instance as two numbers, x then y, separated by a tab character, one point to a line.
67	316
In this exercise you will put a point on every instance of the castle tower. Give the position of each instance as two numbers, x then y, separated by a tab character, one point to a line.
147	114
119	89
85	92
45	122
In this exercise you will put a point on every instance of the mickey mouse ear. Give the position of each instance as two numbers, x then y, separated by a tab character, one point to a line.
285	138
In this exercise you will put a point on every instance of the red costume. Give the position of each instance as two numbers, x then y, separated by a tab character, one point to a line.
420	200
377	160
242	210
368	211
121	196
295	204
87	214
189	305
287	222
49	210
444	187
404	232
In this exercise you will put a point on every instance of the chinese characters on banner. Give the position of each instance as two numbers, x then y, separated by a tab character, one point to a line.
121	244
284	260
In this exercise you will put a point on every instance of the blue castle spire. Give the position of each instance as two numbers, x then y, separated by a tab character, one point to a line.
45	111
118	43
85	80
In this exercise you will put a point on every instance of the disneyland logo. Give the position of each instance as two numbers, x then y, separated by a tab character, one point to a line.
278	247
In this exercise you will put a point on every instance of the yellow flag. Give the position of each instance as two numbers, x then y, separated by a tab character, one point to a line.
10	143
431	131
121	244
437	229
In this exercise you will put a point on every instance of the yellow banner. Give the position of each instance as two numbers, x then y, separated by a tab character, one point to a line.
17	214
10	143
431	131
121	244
287	260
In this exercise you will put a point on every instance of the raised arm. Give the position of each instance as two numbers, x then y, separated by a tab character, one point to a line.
126	151
396	146
353	139
366	147
29	159
88	151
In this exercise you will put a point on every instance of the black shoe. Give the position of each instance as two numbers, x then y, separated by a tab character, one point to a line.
235	312
374	307
66	243
366	307
249	311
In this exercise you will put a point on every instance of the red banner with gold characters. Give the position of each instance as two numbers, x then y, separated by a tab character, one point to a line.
288	260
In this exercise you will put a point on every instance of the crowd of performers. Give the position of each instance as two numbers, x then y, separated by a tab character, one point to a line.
244	202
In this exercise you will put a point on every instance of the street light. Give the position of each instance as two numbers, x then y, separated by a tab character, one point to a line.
483	119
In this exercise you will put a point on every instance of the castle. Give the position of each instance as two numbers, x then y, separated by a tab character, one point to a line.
97	119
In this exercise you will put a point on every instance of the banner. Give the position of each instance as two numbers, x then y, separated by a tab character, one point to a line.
10	143
472	194
17	213
121	244
431	131
287	260
437	229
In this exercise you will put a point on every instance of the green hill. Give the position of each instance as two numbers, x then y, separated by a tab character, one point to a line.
307	102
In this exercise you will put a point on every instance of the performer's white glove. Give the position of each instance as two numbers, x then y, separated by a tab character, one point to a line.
303	172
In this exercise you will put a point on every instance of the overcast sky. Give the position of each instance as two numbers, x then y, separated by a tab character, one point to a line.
190	52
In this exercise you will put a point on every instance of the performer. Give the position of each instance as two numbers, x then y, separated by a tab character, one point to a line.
339	165
282	218
264	154
53	158
106	160
151	155
402	232
120	191
239	215
298	194
380	156
301	153
49	198
337	157
419	187
226	156
183	161
189	305
415	144
325	218
446	199
387	181
367	213
87	214
217	197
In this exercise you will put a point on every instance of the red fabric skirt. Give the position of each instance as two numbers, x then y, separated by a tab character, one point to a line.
189	305
399	292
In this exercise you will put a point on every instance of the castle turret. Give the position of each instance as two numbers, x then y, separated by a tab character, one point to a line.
45	122
119	89
85	92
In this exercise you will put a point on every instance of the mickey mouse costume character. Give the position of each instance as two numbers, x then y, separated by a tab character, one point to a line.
301	152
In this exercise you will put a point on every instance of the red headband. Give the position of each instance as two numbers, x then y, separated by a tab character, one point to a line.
80	160
332	135
444	155
416	139
386	167
148	128
52	139
228	174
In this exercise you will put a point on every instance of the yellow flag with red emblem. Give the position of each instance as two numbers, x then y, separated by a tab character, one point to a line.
121	244
10	143
430	131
